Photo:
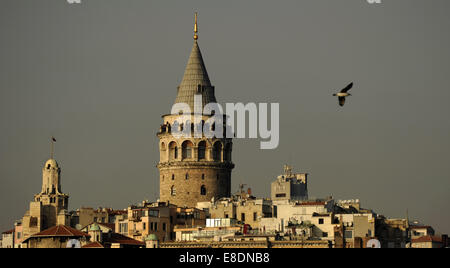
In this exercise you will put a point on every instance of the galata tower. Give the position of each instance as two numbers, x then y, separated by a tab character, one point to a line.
196	168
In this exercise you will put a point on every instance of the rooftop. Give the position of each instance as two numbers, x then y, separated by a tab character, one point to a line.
195	81
61	230
427	238
420	227
115	238
9	231
93	245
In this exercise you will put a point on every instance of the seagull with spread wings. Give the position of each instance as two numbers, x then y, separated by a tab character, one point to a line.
344	93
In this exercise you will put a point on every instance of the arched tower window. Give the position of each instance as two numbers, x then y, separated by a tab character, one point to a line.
163	151
227	152
217	151
173	151
201	150
187	176
173	191
203	190
187	149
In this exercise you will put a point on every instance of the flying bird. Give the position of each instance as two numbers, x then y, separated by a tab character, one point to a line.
344	93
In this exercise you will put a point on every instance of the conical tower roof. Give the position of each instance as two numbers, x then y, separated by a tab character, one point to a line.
195	79
195	72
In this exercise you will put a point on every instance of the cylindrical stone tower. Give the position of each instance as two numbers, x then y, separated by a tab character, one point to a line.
193	169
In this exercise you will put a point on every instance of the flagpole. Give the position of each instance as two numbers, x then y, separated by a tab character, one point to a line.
52	147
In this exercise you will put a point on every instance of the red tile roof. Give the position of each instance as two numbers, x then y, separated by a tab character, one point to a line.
419	227
427	238
93	245
61	230
9	231
121	239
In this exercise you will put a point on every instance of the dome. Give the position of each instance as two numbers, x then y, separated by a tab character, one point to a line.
95	227
51	163
151	237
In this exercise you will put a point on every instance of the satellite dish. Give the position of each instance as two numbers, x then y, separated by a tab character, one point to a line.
73	243
373	243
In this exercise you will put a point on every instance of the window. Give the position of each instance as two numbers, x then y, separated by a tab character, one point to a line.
280	195
173	151
217	151
243	217
163	154
203	176
187	149
164	227
144	225
320	221
123	228
324	234
226	216
188	152
255	216
348	234
227	152
203	190
173	177
173	191
156	226
153	213
187	176
202	150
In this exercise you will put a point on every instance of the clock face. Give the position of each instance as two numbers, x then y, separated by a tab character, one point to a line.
73	243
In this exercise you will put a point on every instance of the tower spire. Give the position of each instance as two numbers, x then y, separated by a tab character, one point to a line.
195	27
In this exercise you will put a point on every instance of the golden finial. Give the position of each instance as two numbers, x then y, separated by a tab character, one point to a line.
195	28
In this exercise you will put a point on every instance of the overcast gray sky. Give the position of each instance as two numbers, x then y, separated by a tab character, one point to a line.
99	75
